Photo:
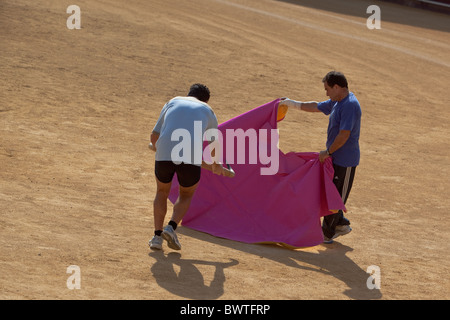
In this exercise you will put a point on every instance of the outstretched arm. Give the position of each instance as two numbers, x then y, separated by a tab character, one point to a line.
310	106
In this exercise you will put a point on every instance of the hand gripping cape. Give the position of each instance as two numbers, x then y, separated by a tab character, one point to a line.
283	207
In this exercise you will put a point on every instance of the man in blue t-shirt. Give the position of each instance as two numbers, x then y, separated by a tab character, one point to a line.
342	143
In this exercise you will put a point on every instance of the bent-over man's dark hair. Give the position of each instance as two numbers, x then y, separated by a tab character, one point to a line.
335	77
200	91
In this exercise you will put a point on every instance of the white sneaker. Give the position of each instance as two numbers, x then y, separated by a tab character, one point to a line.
340	231
170	236
156	243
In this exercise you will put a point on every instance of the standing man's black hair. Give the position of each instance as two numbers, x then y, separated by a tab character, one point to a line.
335	77
200	91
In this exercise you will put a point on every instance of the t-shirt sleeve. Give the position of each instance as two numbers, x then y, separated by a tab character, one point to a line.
325	106
213	123
160	121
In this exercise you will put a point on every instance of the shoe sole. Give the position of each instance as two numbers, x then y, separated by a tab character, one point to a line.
342	233
338	234
171	242
154	247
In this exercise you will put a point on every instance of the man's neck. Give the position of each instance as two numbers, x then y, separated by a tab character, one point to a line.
343	95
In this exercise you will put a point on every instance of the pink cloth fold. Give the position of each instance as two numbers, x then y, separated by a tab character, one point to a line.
285	207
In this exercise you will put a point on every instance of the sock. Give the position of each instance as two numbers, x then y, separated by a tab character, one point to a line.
158	233
173	224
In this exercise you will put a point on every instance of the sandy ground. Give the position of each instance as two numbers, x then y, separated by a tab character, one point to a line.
77	108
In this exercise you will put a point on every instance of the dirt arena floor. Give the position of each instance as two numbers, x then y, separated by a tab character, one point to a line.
77	108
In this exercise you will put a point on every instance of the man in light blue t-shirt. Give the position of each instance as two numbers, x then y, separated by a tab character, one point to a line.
342	143
182	121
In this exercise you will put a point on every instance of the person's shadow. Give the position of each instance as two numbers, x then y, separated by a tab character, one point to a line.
189	282
330	260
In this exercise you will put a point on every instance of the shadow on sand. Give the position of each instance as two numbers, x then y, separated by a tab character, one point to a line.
189	282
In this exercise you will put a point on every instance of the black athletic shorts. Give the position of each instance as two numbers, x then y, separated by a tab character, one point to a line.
187	174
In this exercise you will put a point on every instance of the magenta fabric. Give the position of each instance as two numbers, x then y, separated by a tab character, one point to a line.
284	208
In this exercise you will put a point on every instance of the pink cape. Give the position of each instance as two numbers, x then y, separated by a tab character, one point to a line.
285	207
